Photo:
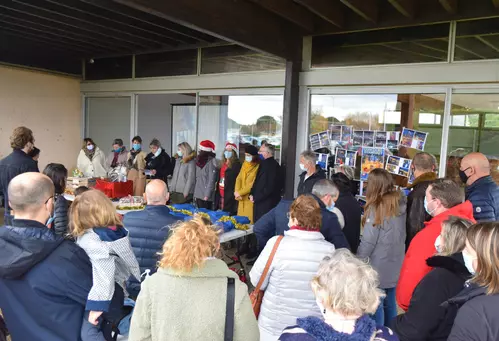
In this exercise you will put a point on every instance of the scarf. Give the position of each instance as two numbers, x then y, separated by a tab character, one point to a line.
89	153
203	158
365	329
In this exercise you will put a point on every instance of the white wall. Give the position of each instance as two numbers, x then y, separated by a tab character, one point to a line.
155	117
48	104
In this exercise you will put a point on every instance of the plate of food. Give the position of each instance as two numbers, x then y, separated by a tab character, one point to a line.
131	203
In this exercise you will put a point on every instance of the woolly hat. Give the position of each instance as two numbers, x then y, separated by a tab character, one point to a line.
207	146
251	150
231	146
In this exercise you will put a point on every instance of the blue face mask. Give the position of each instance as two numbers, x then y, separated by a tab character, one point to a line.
136	146
248	158
261	157
426	207
179	153
228	154
117	150
330	208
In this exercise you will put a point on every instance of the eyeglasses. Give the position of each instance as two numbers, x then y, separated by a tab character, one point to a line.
46	201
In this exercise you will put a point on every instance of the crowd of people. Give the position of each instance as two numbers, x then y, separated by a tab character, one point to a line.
329	270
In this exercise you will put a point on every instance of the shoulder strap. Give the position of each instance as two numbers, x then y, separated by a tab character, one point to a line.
229	310
269	262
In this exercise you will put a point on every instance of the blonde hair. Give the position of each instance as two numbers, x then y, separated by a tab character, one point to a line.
189	244
484	239
92	209
347	285
454	235
185	148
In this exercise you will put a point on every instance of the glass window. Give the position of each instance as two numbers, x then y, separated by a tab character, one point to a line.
477	39
241	120
167	117
109	68
416	44
108	119
234	58
383	113
477	132
171	63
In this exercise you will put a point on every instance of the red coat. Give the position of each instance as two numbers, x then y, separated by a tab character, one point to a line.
421	248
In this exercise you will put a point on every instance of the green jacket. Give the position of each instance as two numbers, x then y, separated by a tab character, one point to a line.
191	306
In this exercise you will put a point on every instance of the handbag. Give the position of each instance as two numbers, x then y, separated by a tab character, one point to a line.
229	310
256	296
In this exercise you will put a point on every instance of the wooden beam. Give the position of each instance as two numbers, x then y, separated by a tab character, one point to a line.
406	7
290	11
328	10
367	9
234	21
449	5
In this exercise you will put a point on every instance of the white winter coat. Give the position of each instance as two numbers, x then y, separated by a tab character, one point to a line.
288	293
95	168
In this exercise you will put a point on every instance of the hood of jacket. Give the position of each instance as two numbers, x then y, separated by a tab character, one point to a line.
23	245
453	263
464	210
425	177
365	329
319	173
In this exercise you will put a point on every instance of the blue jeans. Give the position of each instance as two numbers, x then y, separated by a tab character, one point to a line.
387	310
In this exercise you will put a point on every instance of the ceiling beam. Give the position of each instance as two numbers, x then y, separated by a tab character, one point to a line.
290	11
449	5
406	7
367	9
234	21
488	43
328	10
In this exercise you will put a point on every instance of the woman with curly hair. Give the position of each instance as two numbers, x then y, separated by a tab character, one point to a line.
186	299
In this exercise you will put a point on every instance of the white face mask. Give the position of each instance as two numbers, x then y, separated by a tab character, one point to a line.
157	152
302	167
438	244
90	147
248	158
468	261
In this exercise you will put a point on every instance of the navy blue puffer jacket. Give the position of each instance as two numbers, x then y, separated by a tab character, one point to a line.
148	231
484	195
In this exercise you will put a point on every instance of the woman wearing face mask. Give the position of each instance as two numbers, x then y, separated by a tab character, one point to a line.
229	172
206	175
118	156
184	175
244	182
383	238
288	294
158	161
346	290
91	160
136	166
427	318
478	315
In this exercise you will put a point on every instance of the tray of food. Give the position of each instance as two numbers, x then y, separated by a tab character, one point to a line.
131	203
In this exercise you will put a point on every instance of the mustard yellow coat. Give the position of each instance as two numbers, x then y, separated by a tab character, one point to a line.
244	183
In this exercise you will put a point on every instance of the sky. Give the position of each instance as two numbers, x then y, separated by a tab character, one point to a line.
247	109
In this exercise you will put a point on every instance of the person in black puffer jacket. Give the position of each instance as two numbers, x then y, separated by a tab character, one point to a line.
58	174
350	209
478	315
426	319
158	162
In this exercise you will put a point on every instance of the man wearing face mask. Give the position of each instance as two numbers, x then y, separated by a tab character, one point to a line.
18	162
325	192
44	279
311	172
481	189
444	198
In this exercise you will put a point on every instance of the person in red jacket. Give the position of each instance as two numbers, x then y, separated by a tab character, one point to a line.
444	198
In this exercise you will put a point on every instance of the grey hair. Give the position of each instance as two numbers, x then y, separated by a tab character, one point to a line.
270	148
424	162
347	285
185	148
347	170
454	231
309	156
155	142
324	187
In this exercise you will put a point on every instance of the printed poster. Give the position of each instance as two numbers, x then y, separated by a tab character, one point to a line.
372	158
345	157
322	160
335	132
358	138
381	139
398	165
346	134
320	140
411	176
368	138
413	139
324	139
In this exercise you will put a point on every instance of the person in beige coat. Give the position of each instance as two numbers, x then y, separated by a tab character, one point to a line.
186	298
136	166
91	160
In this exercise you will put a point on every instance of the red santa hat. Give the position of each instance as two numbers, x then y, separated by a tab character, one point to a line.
231	146
207	146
